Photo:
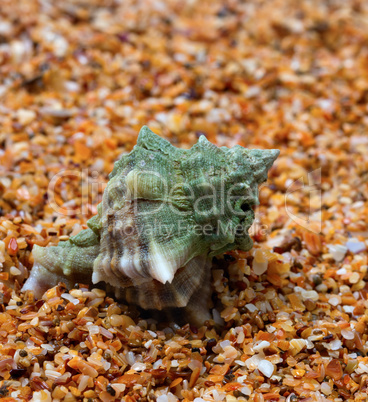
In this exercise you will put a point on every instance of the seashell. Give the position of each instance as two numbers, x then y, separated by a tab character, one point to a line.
164	214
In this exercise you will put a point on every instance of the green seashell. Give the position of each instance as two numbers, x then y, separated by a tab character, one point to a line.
165	213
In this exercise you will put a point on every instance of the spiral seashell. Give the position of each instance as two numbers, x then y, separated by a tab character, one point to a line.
164	214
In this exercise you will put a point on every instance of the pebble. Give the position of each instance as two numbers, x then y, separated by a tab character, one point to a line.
310	294
326	388
266	368
260	262
335	300
346	200
14	271
251	307
354	277
259	346
25	116
298	345
337	251
347	334
355	246
310	304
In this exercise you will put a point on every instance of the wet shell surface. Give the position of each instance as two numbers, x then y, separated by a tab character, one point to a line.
165	213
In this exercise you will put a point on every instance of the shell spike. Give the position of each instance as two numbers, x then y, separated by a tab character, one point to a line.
265	157
147	139
269	156
205	144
